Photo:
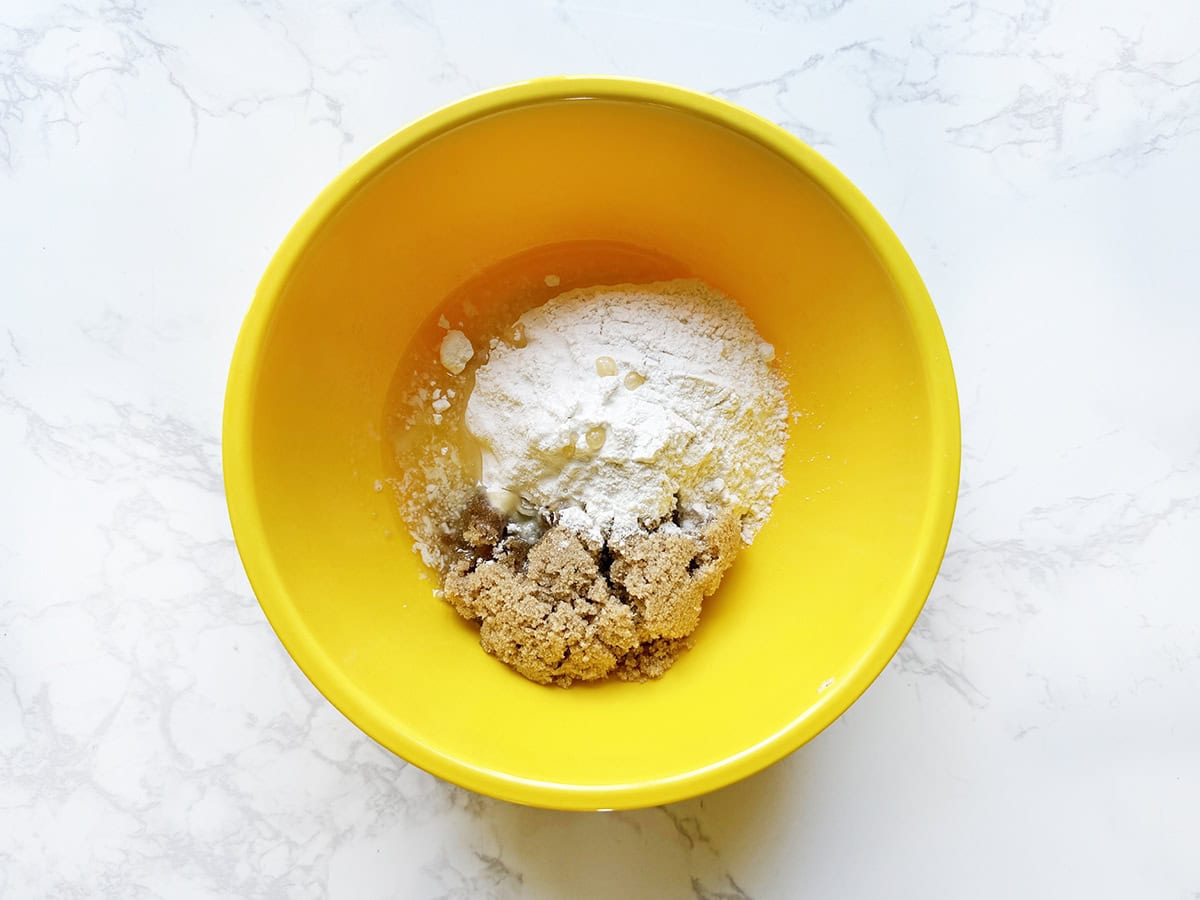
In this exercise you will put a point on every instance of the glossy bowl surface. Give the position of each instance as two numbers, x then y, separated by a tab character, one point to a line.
809	615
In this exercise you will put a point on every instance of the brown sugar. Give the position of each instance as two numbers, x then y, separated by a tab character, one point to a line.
559	610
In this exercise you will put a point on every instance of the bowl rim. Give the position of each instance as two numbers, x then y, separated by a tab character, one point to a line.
263	574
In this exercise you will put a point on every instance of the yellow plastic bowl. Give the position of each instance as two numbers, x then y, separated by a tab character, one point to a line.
809	615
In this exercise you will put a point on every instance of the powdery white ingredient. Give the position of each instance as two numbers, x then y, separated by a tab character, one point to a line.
703	428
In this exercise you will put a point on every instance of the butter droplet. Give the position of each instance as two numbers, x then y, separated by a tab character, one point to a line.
504	501
456	351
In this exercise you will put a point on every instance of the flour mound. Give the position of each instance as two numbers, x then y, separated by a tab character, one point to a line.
625	407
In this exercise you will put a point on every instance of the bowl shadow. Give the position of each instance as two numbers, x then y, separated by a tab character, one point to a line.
693	848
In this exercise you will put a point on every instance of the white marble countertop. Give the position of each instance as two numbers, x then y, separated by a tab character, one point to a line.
1037	736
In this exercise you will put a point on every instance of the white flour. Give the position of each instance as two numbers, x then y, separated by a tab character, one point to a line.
623	407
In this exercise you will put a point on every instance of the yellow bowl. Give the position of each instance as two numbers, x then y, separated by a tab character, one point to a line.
809	615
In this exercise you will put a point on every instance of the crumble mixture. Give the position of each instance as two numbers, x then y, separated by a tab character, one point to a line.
629	442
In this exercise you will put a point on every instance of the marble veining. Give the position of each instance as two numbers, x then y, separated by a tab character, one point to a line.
1041	724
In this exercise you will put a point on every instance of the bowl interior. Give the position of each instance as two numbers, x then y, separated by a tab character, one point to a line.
809	614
